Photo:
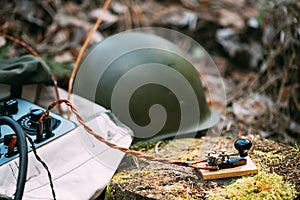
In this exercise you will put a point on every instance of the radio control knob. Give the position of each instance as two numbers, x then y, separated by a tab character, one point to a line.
11	106
36	114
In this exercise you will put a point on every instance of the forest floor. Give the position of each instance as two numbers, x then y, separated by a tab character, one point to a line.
253	43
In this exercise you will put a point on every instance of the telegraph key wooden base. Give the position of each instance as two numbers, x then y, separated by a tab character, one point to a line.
249	168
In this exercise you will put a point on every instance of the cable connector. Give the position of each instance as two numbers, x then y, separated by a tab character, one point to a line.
49	132
39	132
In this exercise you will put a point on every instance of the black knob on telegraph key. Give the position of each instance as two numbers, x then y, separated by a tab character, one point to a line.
243	145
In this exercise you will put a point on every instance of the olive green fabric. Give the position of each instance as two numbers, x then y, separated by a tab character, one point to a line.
24	70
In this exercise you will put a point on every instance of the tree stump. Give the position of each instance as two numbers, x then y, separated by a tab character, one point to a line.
278	176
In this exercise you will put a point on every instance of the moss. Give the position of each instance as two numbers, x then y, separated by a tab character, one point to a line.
146	146
109	192
113	192
3	52
296	149
272	157
61	70
116	192
261	186
146	173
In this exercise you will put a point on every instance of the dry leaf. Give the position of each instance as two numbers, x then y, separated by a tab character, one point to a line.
230	19
65	57
251	109
97	37
119	8
184	18
107	16
66	20
2	41
61	37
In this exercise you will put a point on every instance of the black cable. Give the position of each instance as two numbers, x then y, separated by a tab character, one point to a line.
22	148
44	165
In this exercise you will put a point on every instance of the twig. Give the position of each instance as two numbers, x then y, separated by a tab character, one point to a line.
294	95
156	148
85	44
23	44
54	80
273	79
285	77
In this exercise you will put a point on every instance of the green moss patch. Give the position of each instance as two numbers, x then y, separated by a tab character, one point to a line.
261	186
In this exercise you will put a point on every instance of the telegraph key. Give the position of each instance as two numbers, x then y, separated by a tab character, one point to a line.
229	164
27	115
224	160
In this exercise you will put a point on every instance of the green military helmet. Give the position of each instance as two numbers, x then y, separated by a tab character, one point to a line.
148	84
